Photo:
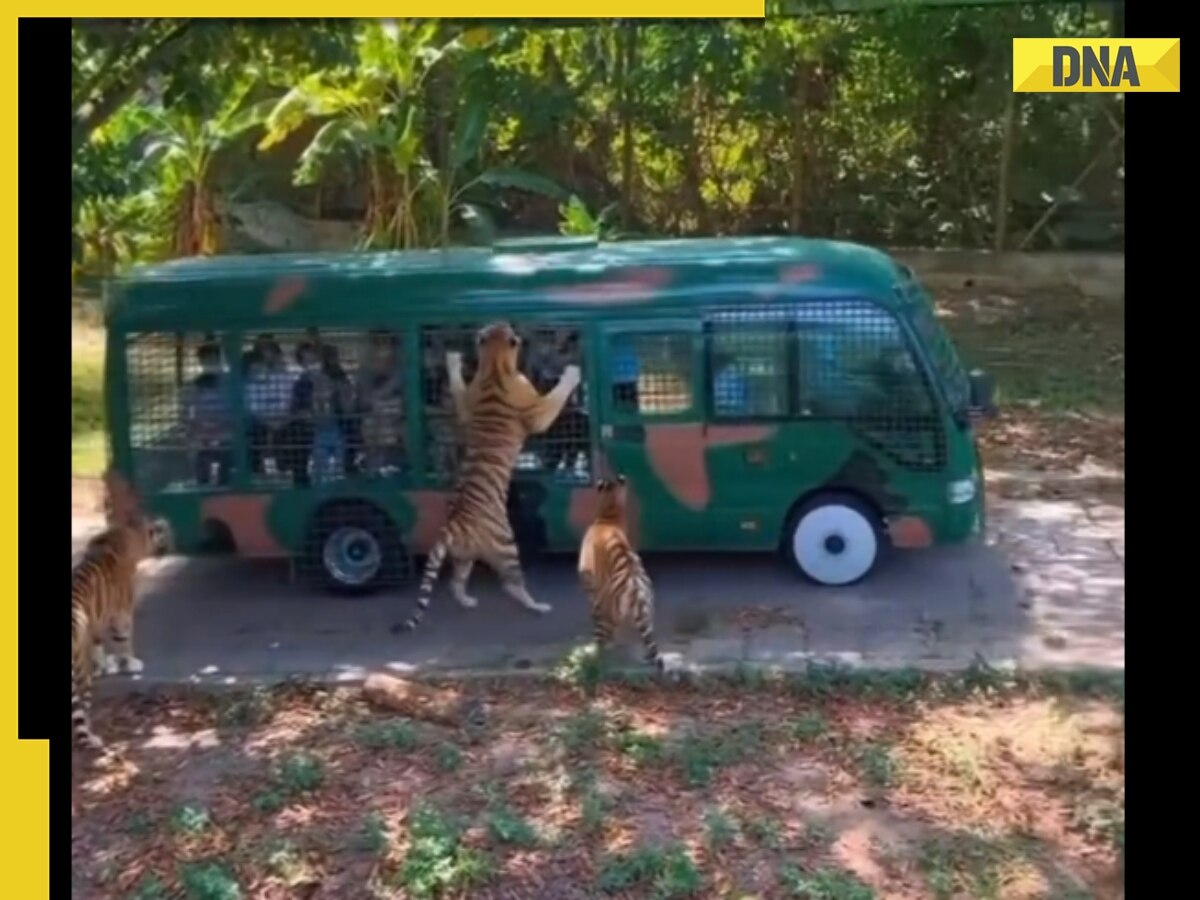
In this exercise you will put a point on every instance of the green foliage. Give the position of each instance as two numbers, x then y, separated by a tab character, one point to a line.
189	819
822	884
209	881
374	838
669	872
294	775
150	887
885	128
506	826
399	734
576	220
437	863
300	773
449	757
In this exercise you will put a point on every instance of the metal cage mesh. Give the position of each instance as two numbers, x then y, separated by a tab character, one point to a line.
181	422
652	373
844	361
564	451
321	406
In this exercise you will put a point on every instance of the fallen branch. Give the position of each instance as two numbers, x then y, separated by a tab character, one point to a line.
443	706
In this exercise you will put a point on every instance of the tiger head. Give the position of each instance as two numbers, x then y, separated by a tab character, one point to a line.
611	499
498	346
154	535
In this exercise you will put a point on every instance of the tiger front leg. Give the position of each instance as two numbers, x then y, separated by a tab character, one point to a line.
458	387
549	406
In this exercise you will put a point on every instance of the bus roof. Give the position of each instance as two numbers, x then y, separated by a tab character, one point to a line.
530	274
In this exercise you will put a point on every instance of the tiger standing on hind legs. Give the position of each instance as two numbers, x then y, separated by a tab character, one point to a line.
102	611
497	412
612	576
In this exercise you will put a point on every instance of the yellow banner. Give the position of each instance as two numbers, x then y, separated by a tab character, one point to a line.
1095	65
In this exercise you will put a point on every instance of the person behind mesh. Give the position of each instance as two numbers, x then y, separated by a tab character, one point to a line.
731	396
207	418
268	392
381	402
314	434
568	441
344	441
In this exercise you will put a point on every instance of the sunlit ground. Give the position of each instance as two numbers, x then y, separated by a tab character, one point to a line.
838	786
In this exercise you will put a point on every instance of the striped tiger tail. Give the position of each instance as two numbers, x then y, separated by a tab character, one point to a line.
433	568
643	614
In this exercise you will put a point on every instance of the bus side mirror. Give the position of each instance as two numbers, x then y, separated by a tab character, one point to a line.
983	394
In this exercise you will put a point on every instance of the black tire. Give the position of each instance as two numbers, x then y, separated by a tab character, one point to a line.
852	548
355	549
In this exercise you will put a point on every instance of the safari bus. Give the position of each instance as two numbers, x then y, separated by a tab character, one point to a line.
758	394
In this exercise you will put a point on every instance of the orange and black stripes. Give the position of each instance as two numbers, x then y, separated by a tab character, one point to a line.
611	573
499	410
102	611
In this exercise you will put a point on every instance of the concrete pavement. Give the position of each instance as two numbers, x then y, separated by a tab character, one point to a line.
1048	590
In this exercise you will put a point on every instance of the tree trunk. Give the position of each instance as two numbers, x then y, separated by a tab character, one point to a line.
1006	151
628	39
799	104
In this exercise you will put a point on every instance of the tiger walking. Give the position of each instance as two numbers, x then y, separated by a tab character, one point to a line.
102	610
612	576
497	412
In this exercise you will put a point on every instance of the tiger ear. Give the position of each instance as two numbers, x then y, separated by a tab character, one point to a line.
601	484
620	479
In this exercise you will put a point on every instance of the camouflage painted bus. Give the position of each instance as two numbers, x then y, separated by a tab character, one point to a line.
759	394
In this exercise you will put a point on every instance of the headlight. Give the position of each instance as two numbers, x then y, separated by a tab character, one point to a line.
962	491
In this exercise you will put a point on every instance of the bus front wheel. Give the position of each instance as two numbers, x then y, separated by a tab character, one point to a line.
833	540
355	549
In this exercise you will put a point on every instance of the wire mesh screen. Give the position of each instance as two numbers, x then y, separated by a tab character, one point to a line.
847	361
748	366
181	414
652	374
564	451
314	407
321	406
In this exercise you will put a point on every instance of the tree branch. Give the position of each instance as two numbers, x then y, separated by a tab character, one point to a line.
95	110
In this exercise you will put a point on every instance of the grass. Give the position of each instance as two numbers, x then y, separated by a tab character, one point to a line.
668	872
697	790
88	447
1058	360
822	884
438	862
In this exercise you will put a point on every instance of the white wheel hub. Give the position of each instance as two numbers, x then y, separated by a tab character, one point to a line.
834	544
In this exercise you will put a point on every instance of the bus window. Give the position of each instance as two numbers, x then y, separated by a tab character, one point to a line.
748	366
651	374
320	406
181	411
856	365
854	362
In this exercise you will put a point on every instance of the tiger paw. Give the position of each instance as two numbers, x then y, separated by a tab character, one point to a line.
541	608
109	666
571	376
454	362
468	602
132	665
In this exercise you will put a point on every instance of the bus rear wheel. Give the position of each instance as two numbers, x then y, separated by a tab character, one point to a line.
834	540
355	549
